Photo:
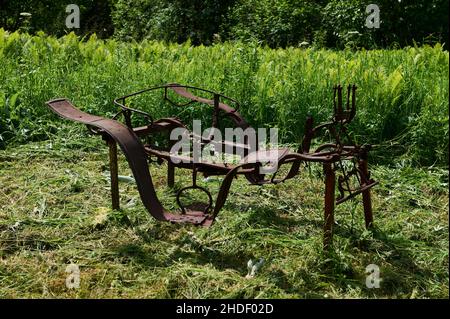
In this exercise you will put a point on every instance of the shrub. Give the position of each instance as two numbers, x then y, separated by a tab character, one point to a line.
175	21
50	16
274	22
402	23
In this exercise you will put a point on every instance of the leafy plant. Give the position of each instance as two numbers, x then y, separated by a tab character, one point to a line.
402	98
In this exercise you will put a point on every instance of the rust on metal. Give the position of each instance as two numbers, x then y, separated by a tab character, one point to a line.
138	148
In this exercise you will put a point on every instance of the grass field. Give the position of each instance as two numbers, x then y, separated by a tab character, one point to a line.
54	193
55	211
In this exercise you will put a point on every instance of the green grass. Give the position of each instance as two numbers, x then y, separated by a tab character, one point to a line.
54	195
402	97
54	210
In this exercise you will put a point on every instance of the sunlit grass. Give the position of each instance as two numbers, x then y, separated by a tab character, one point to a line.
55	210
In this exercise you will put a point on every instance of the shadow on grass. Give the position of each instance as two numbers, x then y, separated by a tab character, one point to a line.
399	271
342	268
183	247
200	256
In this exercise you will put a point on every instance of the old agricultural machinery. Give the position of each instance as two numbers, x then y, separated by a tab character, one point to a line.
344	163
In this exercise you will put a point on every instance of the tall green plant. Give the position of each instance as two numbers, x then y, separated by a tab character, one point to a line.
402	100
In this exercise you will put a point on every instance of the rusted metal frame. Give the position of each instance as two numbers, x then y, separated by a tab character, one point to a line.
330	180
309	158
307	136
114	172
293	171
116	116
223	190
179	104
201	217
224	144
161	125
194	185
130	111
127	111
242	169
342	154
131	147
296	159
310	133
353	108
206	169
215	122
124	97
367	202
229	111
339	95
186	162
340	115
345	177
364	189
170	174
293	158
349	149
171	85
215	119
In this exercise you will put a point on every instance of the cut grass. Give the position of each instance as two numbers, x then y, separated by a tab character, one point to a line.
55	210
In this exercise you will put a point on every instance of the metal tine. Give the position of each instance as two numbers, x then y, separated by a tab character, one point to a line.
348	97
194	176
353	110
334	99
339	99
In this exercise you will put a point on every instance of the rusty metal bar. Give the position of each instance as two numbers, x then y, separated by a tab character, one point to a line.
215	120
367	201
170	174
339	106
330	181
348	98
114	173
199	213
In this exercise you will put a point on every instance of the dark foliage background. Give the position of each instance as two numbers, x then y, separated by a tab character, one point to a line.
276	23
